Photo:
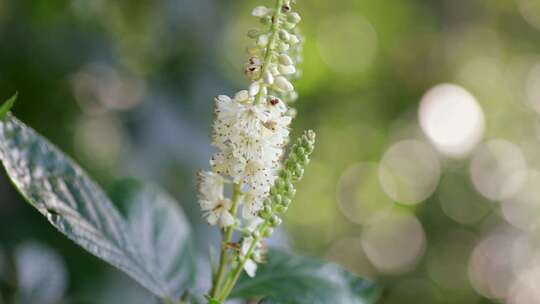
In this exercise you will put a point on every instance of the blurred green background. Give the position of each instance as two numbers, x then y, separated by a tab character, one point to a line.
431	189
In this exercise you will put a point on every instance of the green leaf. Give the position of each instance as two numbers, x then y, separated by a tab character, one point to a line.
163	238
7	105
60	190
41	274
292	279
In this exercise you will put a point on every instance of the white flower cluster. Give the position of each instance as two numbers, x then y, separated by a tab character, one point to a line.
251	129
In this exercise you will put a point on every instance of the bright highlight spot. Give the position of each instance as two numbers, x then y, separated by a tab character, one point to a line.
409	171
452	119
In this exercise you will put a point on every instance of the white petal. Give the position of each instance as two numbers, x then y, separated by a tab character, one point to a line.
223	98
211	218
226	219
241	96
250	267
254	88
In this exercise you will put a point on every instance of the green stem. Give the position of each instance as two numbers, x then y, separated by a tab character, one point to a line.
236	272
270	48
227	238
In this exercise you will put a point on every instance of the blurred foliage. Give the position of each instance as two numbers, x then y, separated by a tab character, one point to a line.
126	88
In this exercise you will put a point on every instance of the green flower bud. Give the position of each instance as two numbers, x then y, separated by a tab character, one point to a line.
266	212
275	221
268	232
299	172
286	202
278	199
280	209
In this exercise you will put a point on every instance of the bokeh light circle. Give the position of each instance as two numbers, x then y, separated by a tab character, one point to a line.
490	266
523	210
525	289
409	171
530	10
532	88
460	201
452	119
498	169
342	38
394	243
359	194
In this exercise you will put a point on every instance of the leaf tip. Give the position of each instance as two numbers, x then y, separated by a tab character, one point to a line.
7	105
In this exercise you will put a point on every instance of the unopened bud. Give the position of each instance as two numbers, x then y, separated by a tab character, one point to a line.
262	40
268	78
284	35
294	40
287	69
283	84
254	88
268	232
283	46
275	221
294	17
280	209
242	96
261	11
284	59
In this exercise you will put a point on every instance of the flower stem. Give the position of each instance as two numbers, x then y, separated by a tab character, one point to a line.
270	47
236	272
227	238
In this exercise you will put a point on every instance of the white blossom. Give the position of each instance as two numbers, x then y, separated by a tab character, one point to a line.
250	266
251	130
216	208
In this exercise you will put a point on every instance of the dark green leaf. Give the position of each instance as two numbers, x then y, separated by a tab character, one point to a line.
292	279
7	105
60	190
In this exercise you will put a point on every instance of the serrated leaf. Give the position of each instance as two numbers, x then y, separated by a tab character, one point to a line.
162	234
7	105
41	274
292	279
60	190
